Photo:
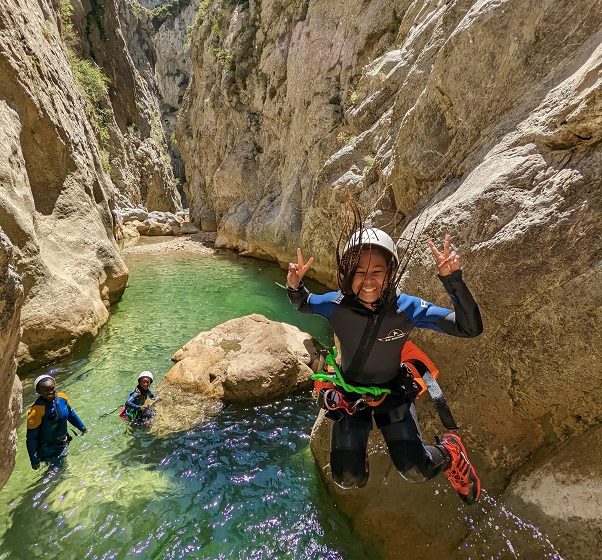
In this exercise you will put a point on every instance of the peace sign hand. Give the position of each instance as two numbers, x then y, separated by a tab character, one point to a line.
447	262
296	271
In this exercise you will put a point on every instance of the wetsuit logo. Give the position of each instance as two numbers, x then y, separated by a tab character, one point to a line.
395	334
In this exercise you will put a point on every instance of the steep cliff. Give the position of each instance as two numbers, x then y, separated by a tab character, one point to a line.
117	36
11	298
91	139
56	200
81	134
173	69
481	119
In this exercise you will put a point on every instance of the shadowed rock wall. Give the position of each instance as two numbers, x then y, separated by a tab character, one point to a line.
11	298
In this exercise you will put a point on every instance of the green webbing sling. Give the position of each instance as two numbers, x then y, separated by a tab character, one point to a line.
337	379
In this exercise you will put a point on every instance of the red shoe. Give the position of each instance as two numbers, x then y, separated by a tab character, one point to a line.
460	473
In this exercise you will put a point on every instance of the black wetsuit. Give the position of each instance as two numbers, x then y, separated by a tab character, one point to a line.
134	406
396	416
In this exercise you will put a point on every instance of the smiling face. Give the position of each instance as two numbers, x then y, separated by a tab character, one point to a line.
145	382
46	388
370	277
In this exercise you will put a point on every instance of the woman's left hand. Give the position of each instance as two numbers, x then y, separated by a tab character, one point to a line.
446	261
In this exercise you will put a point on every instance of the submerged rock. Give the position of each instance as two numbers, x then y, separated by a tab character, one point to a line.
177	410
246	360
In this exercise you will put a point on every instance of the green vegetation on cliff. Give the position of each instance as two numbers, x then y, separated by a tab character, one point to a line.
161	14
93	85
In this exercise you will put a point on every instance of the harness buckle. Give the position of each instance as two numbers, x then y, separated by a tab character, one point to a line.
333	399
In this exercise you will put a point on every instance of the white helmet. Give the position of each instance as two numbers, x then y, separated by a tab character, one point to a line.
41	378
146	374
373	236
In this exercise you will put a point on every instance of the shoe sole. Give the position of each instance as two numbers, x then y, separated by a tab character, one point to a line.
468	499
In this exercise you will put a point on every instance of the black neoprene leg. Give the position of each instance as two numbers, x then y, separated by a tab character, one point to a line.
415	461
348	443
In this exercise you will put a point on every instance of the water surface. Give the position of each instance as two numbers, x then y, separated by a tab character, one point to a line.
242	485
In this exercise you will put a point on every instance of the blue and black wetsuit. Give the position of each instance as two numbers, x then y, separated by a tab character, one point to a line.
47	436
134	404
396	416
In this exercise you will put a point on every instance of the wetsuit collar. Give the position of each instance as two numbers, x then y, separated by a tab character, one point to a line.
356	304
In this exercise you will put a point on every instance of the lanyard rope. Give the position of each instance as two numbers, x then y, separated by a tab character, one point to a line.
337	379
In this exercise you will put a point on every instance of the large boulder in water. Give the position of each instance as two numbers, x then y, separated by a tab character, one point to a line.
246	360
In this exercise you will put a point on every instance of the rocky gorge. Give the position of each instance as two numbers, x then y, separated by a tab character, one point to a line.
482	119
81	139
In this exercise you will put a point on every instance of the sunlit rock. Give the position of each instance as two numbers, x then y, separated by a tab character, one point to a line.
133	214
246	360
563	492
475	119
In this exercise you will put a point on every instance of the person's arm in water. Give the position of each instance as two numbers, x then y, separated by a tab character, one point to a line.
132	401
465	320
149	401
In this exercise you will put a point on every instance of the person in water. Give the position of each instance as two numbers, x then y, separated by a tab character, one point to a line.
136	409
47	436
372	321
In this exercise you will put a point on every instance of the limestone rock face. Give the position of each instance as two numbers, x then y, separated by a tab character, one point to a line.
54	197
173	66
565	494
120	39
11	299
477	119
246	360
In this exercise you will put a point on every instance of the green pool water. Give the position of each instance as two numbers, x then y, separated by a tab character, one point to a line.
240	486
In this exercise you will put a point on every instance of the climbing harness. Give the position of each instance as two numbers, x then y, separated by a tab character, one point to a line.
327	384
420	368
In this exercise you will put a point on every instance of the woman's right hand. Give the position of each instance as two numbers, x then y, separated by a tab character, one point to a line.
296	271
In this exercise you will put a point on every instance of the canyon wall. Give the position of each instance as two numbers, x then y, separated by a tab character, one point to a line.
479	119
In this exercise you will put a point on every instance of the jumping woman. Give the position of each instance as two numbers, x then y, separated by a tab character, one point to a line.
372	321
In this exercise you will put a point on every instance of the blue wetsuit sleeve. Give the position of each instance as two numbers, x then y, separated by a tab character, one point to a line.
318	304
75	420
131	402
464	321
31	442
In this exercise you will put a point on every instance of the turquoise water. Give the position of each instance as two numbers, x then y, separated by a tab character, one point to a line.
242	485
